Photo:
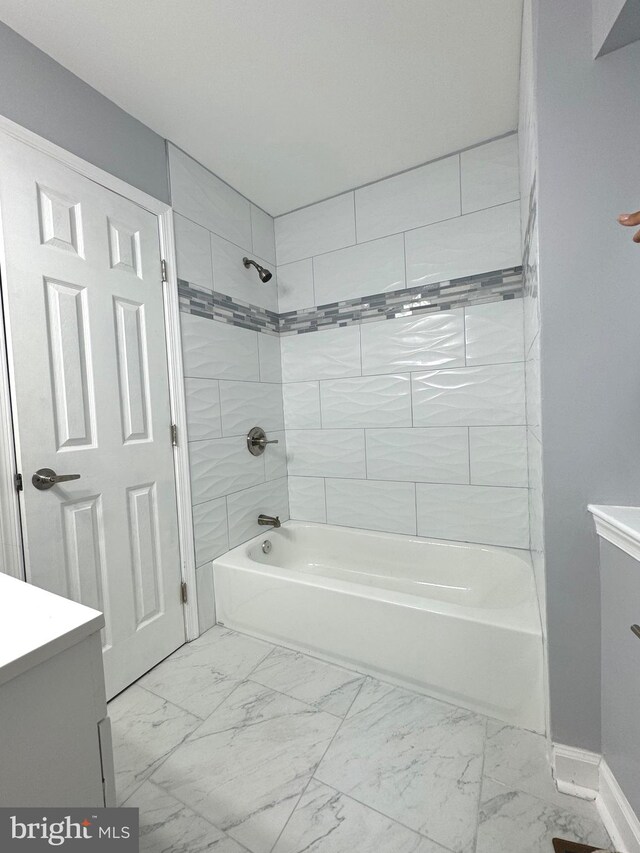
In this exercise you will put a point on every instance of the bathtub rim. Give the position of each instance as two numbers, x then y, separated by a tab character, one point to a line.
522	618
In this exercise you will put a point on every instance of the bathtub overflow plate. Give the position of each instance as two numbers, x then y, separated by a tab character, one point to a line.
267	546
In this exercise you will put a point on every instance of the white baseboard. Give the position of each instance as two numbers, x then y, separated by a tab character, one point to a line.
620	821
585	774
576	771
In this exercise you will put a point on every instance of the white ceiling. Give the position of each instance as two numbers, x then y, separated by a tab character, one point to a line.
291	101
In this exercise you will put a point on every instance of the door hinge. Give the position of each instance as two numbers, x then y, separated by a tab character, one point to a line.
174	435
17	481
183	592
163	269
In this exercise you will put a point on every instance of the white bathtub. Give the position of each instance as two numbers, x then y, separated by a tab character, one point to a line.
459	622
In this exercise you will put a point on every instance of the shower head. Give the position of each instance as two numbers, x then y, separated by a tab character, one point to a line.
264	274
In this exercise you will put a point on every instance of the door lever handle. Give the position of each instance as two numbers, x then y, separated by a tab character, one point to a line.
46	478
635	629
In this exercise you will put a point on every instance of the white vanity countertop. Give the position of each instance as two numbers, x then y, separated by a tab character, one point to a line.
36	625
619	525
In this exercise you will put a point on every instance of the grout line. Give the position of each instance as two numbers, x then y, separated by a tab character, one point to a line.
312	777
386	177
394	233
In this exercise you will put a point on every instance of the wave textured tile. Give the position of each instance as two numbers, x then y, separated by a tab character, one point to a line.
413	343
326	453
329	354
430	455
470	396
306	499
484	514
372	505
374	267
426	194
499	456
468	245
203	408
495	332
366	401
222	466
313	230
217	350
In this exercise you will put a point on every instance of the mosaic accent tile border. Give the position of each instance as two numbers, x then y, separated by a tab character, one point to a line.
219	306
427	299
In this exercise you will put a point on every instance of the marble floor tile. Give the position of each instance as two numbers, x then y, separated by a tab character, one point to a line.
246	766
326	821
145	729
319	684
201	674
168	826
416	760
515	821
520	760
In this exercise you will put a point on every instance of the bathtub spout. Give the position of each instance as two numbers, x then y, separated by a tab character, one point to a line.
269	520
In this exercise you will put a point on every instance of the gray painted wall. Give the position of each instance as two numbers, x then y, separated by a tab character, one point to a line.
41	95
620	678
589	127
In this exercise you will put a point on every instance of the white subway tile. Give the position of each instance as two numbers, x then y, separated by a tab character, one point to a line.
270	360
213	350
427	194
244	405
312	230
263	232
362	270
206	602
485	514
193	253
199	195
328	354
326	453
231	277
210	530
372	505
306	499
222	466
301	405
494	332
245	507
490	174
295	286
366	401
499	456
430	455
203	408
275	456
492	395
468	245
413	343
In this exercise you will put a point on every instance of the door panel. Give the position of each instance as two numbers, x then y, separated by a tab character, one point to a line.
85	317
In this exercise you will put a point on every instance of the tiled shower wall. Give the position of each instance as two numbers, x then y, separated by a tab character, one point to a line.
528	167
232	370
402	361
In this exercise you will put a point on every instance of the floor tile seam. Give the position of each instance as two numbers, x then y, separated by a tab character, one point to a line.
380	678
480	784
169	792
315	767
383	814
250	680
170	701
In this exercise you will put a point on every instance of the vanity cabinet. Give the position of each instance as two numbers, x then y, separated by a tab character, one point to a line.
620	590
55	737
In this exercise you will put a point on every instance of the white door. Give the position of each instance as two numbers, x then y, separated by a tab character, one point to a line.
84	306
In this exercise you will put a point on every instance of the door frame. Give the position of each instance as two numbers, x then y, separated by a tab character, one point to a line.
10	515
